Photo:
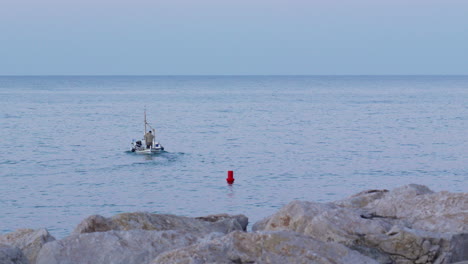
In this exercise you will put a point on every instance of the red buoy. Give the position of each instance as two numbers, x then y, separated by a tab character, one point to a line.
230	178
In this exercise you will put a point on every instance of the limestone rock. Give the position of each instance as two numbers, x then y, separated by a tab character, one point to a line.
263	247
29	241
116	247
424	209
241	219
329	223
12	255
147	221
362	199
411	224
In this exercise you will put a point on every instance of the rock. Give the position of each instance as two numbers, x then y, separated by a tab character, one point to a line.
12	255
362	199
94	223
459	247
116	247
241	219
411	224
329	223
263	247
29	241
406	245
424	209
136	237
147	221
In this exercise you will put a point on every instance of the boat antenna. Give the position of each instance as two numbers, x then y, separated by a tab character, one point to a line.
147	124
144	132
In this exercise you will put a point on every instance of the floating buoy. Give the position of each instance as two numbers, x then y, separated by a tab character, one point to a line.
230	177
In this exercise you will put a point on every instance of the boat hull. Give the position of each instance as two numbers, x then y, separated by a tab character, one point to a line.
141	149
148	151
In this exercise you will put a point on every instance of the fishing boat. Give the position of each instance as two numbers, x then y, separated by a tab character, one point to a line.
143	147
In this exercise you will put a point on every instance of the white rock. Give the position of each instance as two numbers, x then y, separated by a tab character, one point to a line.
12	255
424	209
263	247
408	224
116	247
146	221
30	241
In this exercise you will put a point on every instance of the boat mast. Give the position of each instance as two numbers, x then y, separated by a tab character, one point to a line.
146	124
144	132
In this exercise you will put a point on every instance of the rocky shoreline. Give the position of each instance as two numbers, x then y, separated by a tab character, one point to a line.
410	224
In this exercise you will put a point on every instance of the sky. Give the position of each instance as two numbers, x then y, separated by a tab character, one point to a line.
233	37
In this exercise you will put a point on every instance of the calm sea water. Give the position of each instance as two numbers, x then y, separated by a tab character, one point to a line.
65	143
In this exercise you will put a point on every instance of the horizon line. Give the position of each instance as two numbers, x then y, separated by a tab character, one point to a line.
224	75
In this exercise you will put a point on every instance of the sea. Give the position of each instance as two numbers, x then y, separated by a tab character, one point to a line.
65	143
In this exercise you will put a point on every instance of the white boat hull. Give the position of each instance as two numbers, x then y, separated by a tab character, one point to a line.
141	149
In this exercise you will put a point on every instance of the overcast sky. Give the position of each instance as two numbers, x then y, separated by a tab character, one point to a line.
233	37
